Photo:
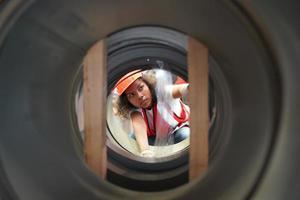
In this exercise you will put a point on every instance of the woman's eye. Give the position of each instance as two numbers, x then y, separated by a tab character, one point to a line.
129	95
141	87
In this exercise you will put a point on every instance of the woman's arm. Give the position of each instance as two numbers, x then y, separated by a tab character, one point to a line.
180	90
140	130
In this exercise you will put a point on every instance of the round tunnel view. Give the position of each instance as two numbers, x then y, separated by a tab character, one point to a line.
148	111
253	94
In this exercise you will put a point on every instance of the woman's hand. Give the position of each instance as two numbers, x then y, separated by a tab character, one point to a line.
180	90
147	153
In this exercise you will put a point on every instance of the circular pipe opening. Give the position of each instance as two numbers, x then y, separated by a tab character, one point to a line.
41	55
140	51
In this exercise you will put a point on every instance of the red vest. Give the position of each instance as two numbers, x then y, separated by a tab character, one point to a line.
184	117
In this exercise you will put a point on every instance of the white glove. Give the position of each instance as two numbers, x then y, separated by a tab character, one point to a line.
147	153
184	89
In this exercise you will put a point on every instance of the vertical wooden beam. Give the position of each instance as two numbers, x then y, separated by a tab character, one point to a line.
199	118
94	91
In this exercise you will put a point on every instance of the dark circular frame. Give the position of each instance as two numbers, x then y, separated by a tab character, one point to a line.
43	43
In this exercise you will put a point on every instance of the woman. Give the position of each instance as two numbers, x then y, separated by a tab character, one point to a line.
152	116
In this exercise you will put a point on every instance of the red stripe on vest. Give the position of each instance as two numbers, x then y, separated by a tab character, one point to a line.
184	117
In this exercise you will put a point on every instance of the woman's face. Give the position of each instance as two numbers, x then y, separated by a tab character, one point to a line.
139	94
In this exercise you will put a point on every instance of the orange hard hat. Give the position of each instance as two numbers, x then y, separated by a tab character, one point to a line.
127	80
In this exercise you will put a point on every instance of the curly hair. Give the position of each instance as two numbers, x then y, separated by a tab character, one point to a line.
121	104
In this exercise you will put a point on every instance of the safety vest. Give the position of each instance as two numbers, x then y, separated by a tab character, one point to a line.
165	126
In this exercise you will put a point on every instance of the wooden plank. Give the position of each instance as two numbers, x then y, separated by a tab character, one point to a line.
198	97
94	91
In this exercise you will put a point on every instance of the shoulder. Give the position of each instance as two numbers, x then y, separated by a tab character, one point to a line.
137	119
135	114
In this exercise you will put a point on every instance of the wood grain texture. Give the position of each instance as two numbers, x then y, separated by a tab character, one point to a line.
199	118
94	91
